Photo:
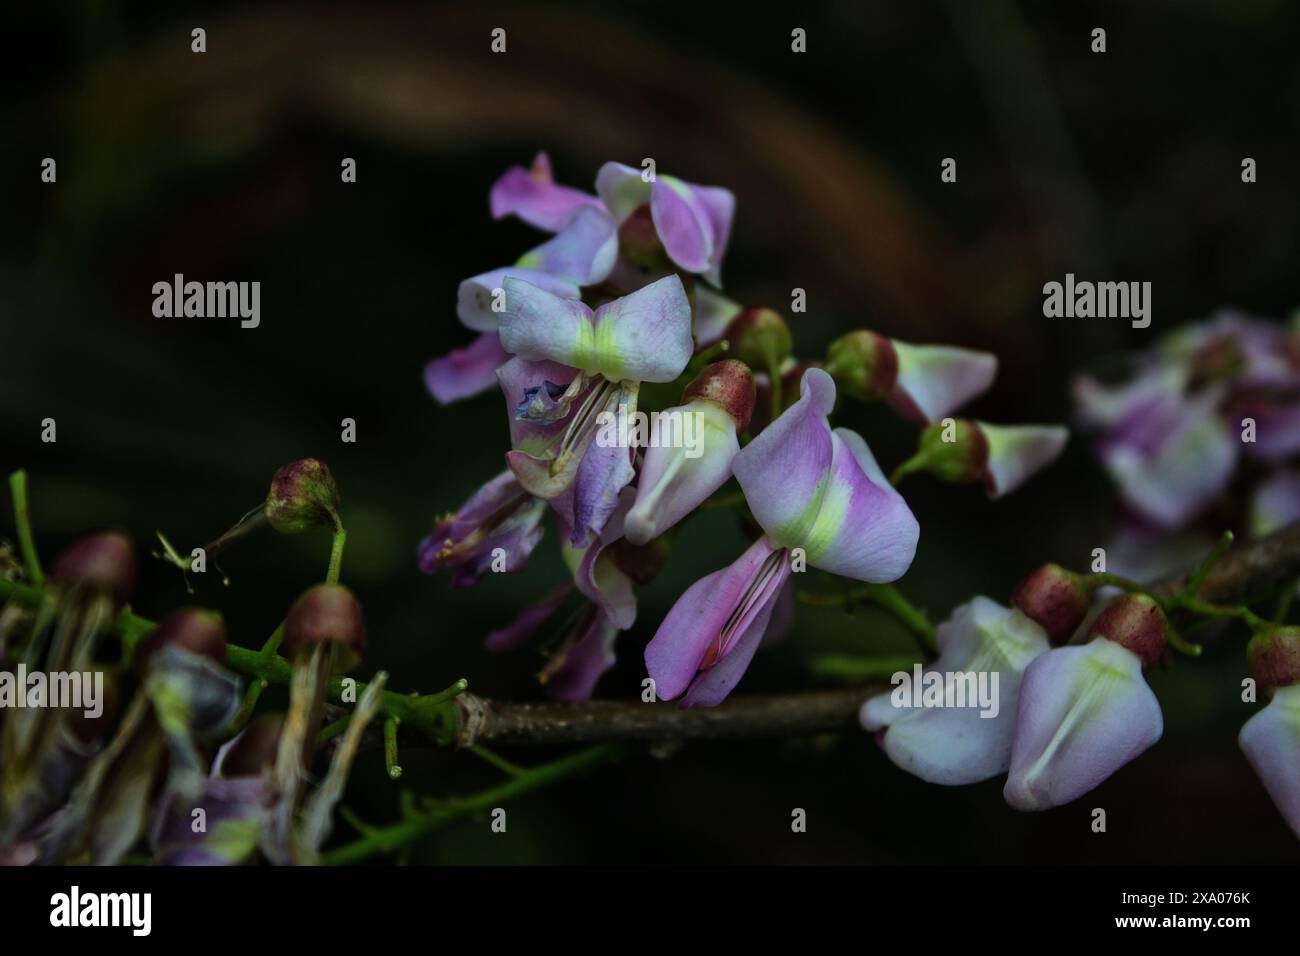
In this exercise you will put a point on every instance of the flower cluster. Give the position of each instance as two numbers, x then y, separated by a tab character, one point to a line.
627	292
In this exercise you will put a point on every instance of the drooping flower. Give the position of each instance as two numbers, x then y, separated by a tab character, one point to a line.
1085	711
810	488
1271	738
534	196
924	382
693	222
957	745
1002	457
642	337
499	521
675	478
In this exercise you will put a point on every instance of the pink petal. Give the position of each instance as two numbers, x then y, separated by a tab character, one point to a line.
533	196
934	380
1016	452
465	372
1271	742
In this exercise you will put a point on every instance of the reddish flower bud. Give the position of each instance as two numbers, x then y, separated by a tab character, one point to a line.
303	495
253	752
760	338
1134	622
638	242
1274	656
99	563
728	384
1055	599
195	630
326	614
863	364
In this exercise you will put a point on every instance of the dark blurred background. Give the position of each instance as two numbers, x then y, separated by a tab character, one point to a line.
1122	166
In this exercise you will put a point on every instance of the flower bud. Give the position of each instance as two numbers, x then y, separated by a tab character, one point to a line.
195	630
99	563
326	614
1055	599
638	242
1136	623
956	451
863	364
253	752
728	384
1274	656
760	338
303	495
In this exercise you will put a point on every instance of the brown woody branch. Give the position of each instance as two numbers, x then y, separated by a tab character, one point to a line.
1246	573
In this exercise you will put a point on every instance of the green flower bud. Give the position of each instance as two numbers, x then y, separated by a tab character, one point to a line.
303	495
760	338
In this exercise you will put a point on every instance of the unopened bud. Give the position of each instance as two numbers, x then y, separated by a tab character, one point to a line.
1134	622
863	364
1274	656
195	630
303	495
98	564
958	461
326	614
1055	599
760	338
728	384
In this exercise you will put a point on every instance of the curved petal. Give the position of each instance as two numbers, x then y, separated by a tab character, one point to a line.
644	337
582	252
695	624
539	325
517	632
533	196
1271	742
682	224
519	378
1275	503
1015	452
584	662
934	380
783	472
1189	465
960	745
462	373
713	313
621	189
720	206
671	484
1084	713
475	295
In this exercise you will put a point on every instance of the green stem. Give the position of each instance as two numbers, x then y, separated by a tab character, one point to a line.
395	837
1203	570
774	390
846	667
1116	581
917	462
390	749
501	763
336	555
1241	613
885	596
22	518
434	716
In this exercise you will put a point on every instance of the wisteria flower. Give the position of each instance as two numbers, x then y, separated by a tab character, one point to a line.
962	745
809	487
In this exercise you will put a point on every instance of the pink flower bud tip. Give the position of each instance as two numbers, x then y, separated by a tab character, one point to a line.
326	614
1055	599
99	563
1274	656
303	494
1136	623
728	384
